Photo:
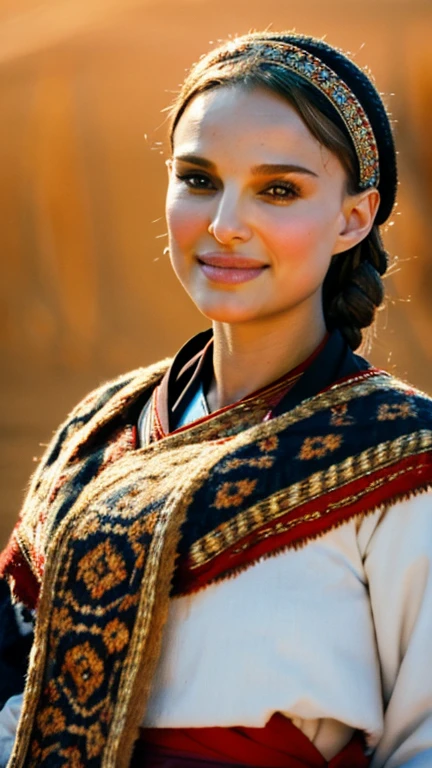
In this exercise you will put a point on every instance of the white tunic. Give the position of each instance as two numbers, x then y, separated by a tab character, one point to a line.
336	635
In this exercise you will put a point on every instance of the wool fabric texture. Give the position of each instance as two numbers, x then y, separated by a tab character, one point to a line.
110	531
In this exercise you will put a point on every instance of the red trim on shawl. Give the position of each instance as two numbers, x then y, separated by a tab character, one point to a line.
24	585
360	376
280	744
408	476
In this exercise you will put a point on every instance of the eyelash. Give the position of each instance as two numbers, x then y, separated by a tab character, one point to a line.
291	190
187	179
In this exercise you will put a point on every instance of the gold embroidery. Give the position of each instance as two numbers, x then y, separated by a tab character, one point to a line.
261	462
95	740
73	757
52	692
317	447
150	522
101	569
393	411
62	621
278	505
232	494
340	417
86	669
269	444
115	635
51	720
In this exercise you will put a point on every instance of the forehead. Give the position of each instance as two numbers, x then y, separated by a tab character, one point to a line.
229	118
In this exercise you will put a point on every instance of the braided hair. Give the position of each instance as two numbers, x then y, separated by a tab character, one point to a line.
353	287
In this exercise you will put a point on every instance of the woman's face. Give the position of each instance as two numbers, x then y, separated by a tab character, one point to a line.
255	207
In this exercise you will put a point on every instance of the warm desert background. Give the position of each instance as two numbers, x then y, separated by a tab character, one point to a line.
86	291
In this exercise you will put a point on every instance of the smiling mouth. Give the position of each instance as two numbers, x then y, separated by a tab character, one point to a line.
230	268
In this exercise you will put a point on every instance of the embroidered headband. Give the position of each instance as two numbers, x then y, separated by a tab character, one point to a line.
312	69
353	101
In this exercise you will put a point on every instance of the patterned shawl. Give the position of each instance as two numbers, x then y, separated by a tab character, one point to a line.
104	522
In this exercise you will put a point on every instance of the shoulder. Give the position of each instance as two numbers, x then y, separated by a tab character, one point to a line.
105	402
382	397
127	385
405	521
396	400
108	403
386	420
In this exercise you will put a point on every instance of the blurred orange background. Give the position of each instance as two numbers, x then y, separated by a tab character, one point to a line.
86	291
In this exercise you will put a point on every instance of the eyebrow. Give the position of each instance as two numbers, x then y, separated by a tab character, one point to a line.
263	170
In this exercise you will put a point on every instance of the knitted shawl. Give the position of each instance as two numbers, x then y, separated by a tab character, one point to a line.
110	531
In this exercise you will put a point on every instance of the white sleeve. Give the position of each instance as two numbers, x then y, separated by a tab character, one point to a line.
9	717
398	565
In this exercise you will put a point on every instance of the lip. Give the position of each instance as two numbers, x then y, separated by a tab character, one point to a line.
230	268
229	261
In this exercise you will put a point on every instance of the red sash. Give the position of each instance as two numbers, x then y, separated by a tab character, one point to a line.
279	745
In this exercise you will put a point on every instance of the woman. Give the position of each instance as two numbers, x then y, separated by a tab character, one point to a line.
229	554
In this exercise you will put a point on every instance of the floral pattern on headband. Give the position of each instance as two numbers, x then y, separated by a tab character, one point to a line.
312	69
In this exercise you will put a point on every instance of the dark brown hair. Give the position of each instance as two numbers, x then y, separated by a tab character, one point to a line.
352	288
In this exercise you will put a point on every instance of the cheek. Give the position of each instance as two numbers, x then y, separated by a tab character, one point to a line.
185	219
184	228
306	236
302	245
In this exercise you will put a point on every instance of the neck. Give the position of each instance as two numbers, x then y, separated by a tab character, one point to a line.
246	358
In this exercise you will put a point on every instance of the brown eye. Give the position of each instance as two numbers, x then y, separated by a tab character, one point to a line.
282	191
196	181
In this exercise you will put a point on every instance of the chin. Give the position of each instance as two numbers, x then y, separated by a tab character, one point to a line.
230	315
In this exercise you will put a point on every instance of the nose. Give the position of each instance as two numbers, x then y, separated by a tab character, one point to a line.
229	222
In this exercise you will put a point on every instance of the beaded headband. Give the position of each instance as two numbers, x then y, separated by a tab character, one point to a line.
341	97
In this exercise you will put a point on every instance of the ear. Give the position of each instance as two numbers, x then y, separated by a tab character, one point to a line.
358	215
